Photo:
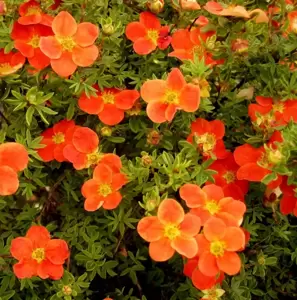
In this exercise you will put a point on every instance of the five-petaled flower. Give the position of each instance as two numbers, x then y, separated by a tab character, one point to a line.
208	135
39	255
210	201
26	40
55	139
256	163
217	246
13	158
171	230
10	62
165	97
31	13
103	188
145	34
226	178
110	104
71	46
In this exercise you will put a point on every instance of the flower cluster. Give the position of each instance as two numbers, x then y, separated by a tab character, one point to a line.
59	41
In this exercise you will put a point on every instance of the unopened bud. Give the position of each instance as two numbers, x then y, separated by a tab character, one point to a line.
67	290
151	205
108	29
155	6
275	157
154	137
106	131
146	160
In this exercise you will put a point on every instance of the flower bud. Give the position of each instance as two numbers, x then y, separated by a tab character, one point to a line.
153	138
155	6
146	160
106	131
151	205
240	46
275	157
67	290
108	29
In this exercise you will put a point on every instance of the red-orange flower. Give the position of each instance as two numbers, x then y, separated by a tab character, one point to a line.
189	5
110	104
292	16
10	62
103	189
82	148
145	34
199	280
26	40
188	43
165	97
13	158
268	113
217	246
256	163
209	137
39	255
210	201
171	230
226	178
56	139
31	13
71	46
231	11
288	203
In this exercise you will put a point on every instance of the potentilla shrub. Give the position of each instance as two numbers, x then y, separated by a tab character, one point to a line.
148	150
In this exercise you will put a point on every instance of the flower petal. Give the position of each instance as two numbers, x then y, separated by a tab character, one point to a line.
175	80
39	236
252	172
85	140
149	20
150	229
84	57
39	60
233	207
64	24
201	281
86	34
126	99
287	204
170	112
202	213
246	154
161	250
46	269
144	46
234	239
213	192
185	246
193	195
153	90
64	66
214	229
190	226
57	251
50	47
25	269
112	201
90	188
135	31
156	111
218	128
9	182
170	212
21	248
118	180
93	203
189	99
208	265
111	115
103	173
92	105
229	263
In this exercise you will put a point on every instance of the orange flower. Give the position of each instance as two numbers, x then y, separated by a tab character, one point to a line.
268	114
38	255
189	5
186	44
10	62
82	148
217	246
165	97
171	230
31	13
199	280
72	45
209	137
226	178
13	158
103	189
109	105
256	163
231	11
292	16
210	201
145	33
26	40
288	203
55	139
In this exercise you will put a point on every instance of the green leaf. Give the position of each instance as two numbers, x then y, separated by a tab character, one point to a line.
270	261
29	115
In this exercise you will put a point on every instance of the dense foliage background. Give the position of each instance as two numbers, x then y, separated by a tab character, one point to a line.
108	257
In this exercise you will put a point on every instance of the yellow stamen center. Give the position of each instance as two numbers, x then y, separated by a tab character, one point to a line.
93	158
229	176
66	42
207	141
38	254
58	138
34	41
278	107
33	10
212	207
108	98
264	161
198	50
217	248
5	67
171	97
171	231
153	35
104	190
